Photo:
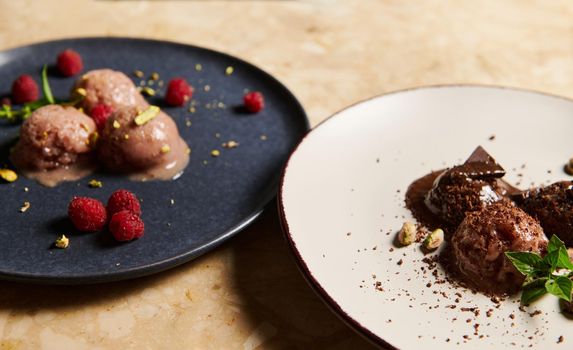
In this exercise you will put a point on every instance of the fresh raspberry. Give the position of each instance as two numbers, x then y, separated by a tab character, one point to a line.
178	92
24	89
123	200
100	113
69	63
254	101
125	226
87	214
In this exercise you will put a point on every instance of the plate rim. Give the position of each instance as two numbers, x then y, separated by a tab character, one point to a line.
179	259
328	300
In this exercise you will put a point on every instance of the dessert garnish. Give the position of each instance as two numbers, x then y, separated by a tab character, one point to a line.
126	226
95	183
434	239
8	175
62	242
145	116
548	274
254	101
123	200
69	63
178	92
407	234
87	214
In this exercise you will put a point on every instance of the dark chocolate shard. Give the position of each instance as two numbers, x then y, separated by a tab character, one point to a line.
480	165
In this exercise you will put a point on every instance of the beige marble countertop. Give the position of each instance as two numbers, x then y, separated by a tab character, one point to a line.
248	294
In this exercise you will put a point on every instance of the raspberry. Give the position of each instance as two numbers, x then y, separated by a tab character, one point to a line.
178	92
69	63
123	200
24	89
87	214
125	226
100	113
254	101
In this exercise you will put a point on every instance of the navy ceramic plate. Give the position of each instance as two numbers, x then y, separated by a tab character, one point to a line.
215	197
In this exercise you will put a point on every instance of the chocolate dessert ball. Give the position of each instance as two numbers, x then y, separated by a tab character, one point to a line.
127	147
479	244
467	187
53	136
553	207
109	87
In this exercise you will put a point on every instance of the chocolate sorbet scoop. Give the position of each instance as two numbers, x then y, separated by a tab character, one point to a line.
479	244
467	187
553	207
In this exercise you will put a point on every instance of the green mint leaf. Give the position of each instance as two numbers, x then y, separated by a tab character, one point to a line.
46	85
527	263
560	286
533	291
555	244
563	260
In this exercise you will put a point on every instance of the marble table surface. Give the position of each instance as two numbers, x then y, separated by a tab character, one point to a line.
248	294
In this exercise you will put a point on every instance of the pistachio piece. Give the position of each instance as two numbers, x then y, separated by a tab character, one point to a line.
407	235
62	242
434	239
8	175
147	115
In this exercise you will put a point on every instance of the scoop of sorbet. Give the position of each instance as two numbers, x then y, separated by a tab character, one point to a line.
479	244
111	88
126	146
553	207
53	136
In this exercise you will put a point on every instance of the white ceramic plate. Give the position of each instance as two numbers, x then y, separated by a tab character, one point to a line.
342	201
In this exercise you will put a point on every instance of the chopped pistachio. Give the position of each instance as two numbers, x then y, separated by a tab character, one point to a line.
192	109
205	162
434	239
221	105
188	150
80	92
62	242
150	82
187	122
407	235
215	153
85	127
207	88
154	76
95	183
25	207
45	135
229	70
92	139
116	124
165	149
198	67
126	136
148	91
231	144
8	175
138	73
145	116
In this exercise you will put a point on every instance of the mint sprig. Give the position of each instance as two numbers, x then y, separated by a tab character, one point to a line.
549	274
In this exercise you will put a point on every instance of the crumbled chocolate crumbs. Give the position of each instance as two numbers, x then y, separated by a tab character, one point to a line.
560	339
